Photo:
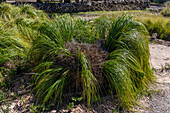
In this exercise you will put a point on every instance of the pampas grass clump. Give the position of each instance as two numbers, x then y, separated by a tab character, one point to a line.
76	56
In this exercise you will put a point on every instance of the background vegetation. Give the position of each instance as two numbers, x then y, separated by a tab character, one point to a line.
166	11
154	23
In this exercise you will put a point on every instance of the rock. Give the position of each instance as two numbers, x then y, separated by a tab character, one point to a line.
53	111
116	5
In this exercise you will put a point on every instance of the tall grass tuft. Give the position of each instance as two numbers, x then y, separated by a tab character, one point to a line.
16	35
129	59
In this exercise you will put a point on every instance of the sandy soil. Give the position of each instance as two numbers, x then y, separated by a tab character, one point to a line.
160	55
158	98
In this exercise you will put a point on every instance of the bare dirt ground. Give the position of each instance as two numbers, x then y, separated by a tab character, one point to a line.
156	100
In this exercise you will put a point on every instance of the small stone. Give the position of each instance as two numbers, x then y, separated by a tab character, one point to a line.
53	111
12	94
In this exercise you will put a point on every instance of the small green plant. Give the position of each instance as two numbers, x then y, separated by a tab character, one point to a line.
33	108
2	97
114	111
75	99
5	109
4	102
165	67
15	95
40	107
154	70
70	106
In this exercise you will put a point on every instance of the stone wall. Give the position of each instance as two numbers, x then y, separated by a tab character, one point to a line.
159	1
115	5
